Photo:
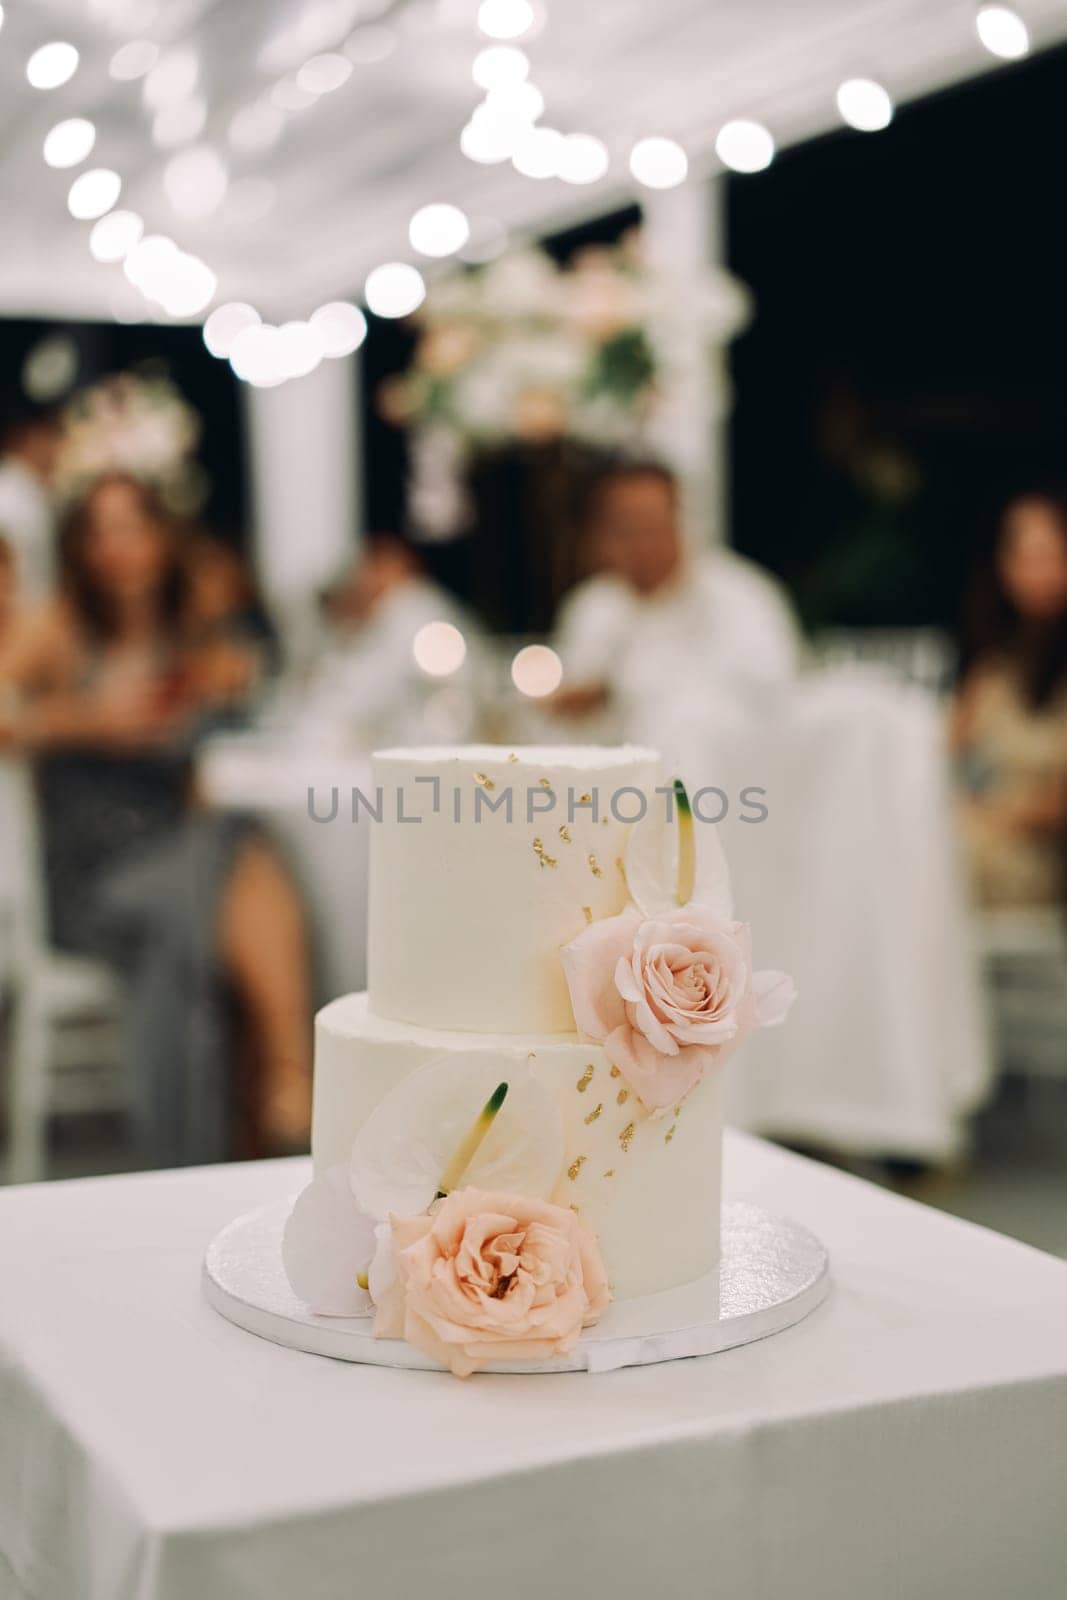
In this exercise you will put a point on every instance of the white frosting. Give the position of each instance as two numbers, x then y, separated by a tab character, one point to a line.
653	1202
467	917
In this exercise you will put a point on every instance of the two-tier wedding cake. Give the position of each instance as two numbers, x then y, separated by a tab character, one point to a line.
521	1119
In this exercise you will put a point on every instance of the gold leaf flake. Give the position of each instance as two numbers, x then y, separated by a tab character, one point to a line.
542	855
626	1135
545	783
585	1080
669	1135
513	756
610	1172
594	865
564	833
621	867
585	800
615	1073
622	1097
486	783
574	1208
576	1166
596	1112
587	913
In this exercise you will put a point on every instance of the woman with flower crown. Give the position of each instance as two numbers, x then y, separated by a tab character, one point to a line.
107	689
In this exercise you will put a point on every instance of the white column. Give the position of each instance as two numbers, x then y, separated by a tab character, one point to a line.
683	239
306	473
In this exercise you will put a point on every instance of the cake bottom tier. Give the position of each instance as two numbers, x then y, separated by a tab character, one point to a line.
649	1188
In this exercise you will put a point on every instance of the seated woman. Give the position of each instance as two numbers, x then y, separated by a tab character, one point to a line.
107	689
1009	722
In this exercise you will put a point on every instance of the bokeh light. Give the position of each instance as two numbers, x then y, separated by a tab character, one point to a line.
52	65
115	235
438	230
744	146
659	163
1003	32
93	193
439	649
69	142
536	671
341	327
394	289
864	105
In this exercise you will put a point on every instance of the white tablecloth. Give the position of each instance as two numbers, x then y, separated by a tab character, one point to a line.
908	1440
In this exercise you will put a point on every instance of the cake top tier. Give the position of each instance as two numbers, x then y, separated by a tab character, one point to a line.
485	861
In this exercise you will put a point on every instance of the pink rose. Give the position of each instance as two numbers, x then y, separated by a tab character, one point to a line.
670	997
489	1277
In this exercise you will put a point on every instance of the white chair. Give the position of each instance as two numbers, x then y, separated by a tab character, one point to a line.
64	1024
852	885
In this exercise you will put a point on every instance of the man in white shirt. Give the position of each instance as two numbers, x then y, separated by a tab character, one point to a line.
30	441
660	625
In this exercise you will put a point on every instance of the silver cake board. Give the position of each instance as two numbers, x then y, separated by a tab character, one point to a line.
772	1273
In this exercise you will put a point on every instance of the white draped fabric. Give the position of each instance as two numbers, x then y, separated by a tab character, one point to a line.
851	884
907	1439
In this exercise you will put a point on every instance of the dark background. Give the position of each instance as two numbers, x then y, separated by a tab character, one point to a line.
907	366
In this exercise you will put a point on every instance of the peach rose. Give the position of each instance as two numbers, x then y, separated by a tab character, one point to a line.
670	997
489	1277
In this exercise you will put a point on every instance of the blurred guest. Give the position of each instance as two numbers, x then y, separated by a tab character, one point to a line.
223	603
112	686
370	680
9	587
30	441
657	617
1009	722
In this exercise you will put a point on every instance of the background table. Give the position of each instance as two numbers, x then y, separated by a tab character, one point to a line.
908	1439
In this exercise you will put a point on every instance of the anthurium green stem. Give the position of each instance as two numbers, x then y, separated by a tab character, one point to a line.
687	859
468	1145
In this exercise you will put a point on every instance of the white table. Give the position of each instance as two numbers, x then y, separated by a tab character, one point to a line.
908	1440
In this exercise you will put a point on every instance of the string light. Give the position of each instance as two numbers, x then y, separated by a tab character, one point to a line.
582	159
93	193
537	153
394	289
438	230
115	235
864	104
499	65
52	65
659	163
225	323
68	143
340	326
506	19
1003	32
744	146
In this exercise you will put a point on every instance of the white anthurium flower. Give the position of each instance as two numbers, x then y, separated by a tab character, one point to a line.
456	1123
327	1247
675	863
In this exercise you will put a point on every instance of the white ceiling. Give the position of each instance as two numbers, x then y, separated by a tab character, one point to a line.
348	171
